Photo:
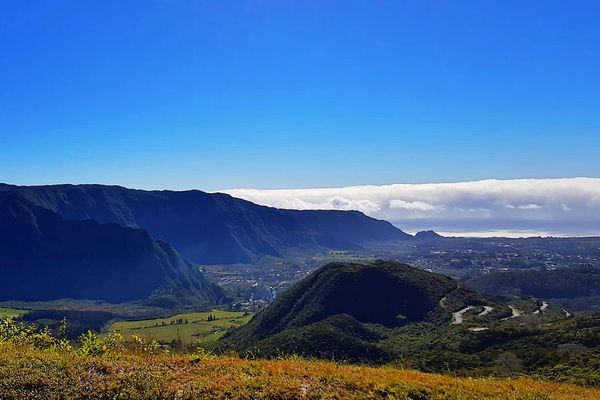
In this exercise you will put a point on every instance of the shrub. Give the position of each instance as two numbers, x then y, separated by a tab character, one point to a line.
143	346
94	345
27	334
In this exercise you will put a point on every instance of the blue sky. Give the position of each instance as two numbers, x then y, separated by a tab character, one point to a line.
276	94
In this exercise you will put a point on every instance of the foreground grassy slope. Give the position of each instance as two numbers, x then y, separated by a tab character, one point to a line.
26	372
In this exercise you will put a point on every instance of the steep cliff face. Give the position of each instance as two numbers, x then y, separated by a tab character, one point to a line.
212	228
44	256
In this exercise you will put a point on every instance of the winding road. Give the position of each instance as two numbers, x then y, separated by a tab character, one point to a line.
458	316
542	308
486	311
515	313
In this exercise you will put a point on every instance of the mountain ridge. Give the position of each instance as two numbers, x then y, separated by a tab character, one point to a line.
211	227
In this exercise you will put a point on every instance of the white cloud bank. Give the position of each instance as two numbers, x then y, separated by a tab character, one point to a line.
519	207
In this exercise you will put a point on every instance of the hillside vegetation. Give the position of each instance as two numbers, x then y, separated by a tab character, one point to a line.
344	309
387	312
27	372
577	289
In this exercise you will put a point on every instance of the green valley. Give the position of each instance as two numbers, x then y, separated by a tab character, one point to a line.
203	327
11	312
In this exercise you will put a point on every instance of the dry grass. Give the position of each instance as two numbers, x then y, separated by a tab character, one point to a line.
27	373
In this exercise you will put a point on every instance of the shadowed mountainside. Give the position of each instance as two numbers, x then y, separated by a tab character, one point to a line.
44	256
211	228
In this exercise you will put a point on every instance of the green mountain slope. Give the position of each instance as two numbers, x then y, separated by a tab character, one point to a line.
337	309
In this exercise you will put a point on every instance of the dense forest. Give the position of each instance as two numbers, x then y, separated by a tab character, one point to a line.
577	289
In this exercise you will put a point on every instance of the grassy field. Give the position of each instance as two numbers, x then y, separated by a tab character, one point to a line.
26	373
11	312
190	327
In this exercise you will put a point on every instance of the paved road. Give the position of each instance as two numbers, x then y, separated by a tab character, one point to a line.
542	308
486	311
515	313
458	316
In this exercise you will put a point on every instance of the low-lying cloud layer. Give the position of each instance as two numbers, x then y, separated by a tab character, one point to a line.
520	207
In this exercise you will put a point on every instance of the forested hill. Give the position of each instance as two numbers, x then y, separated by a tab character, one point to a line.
386	312
44	256
575	288
330	312
211	228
